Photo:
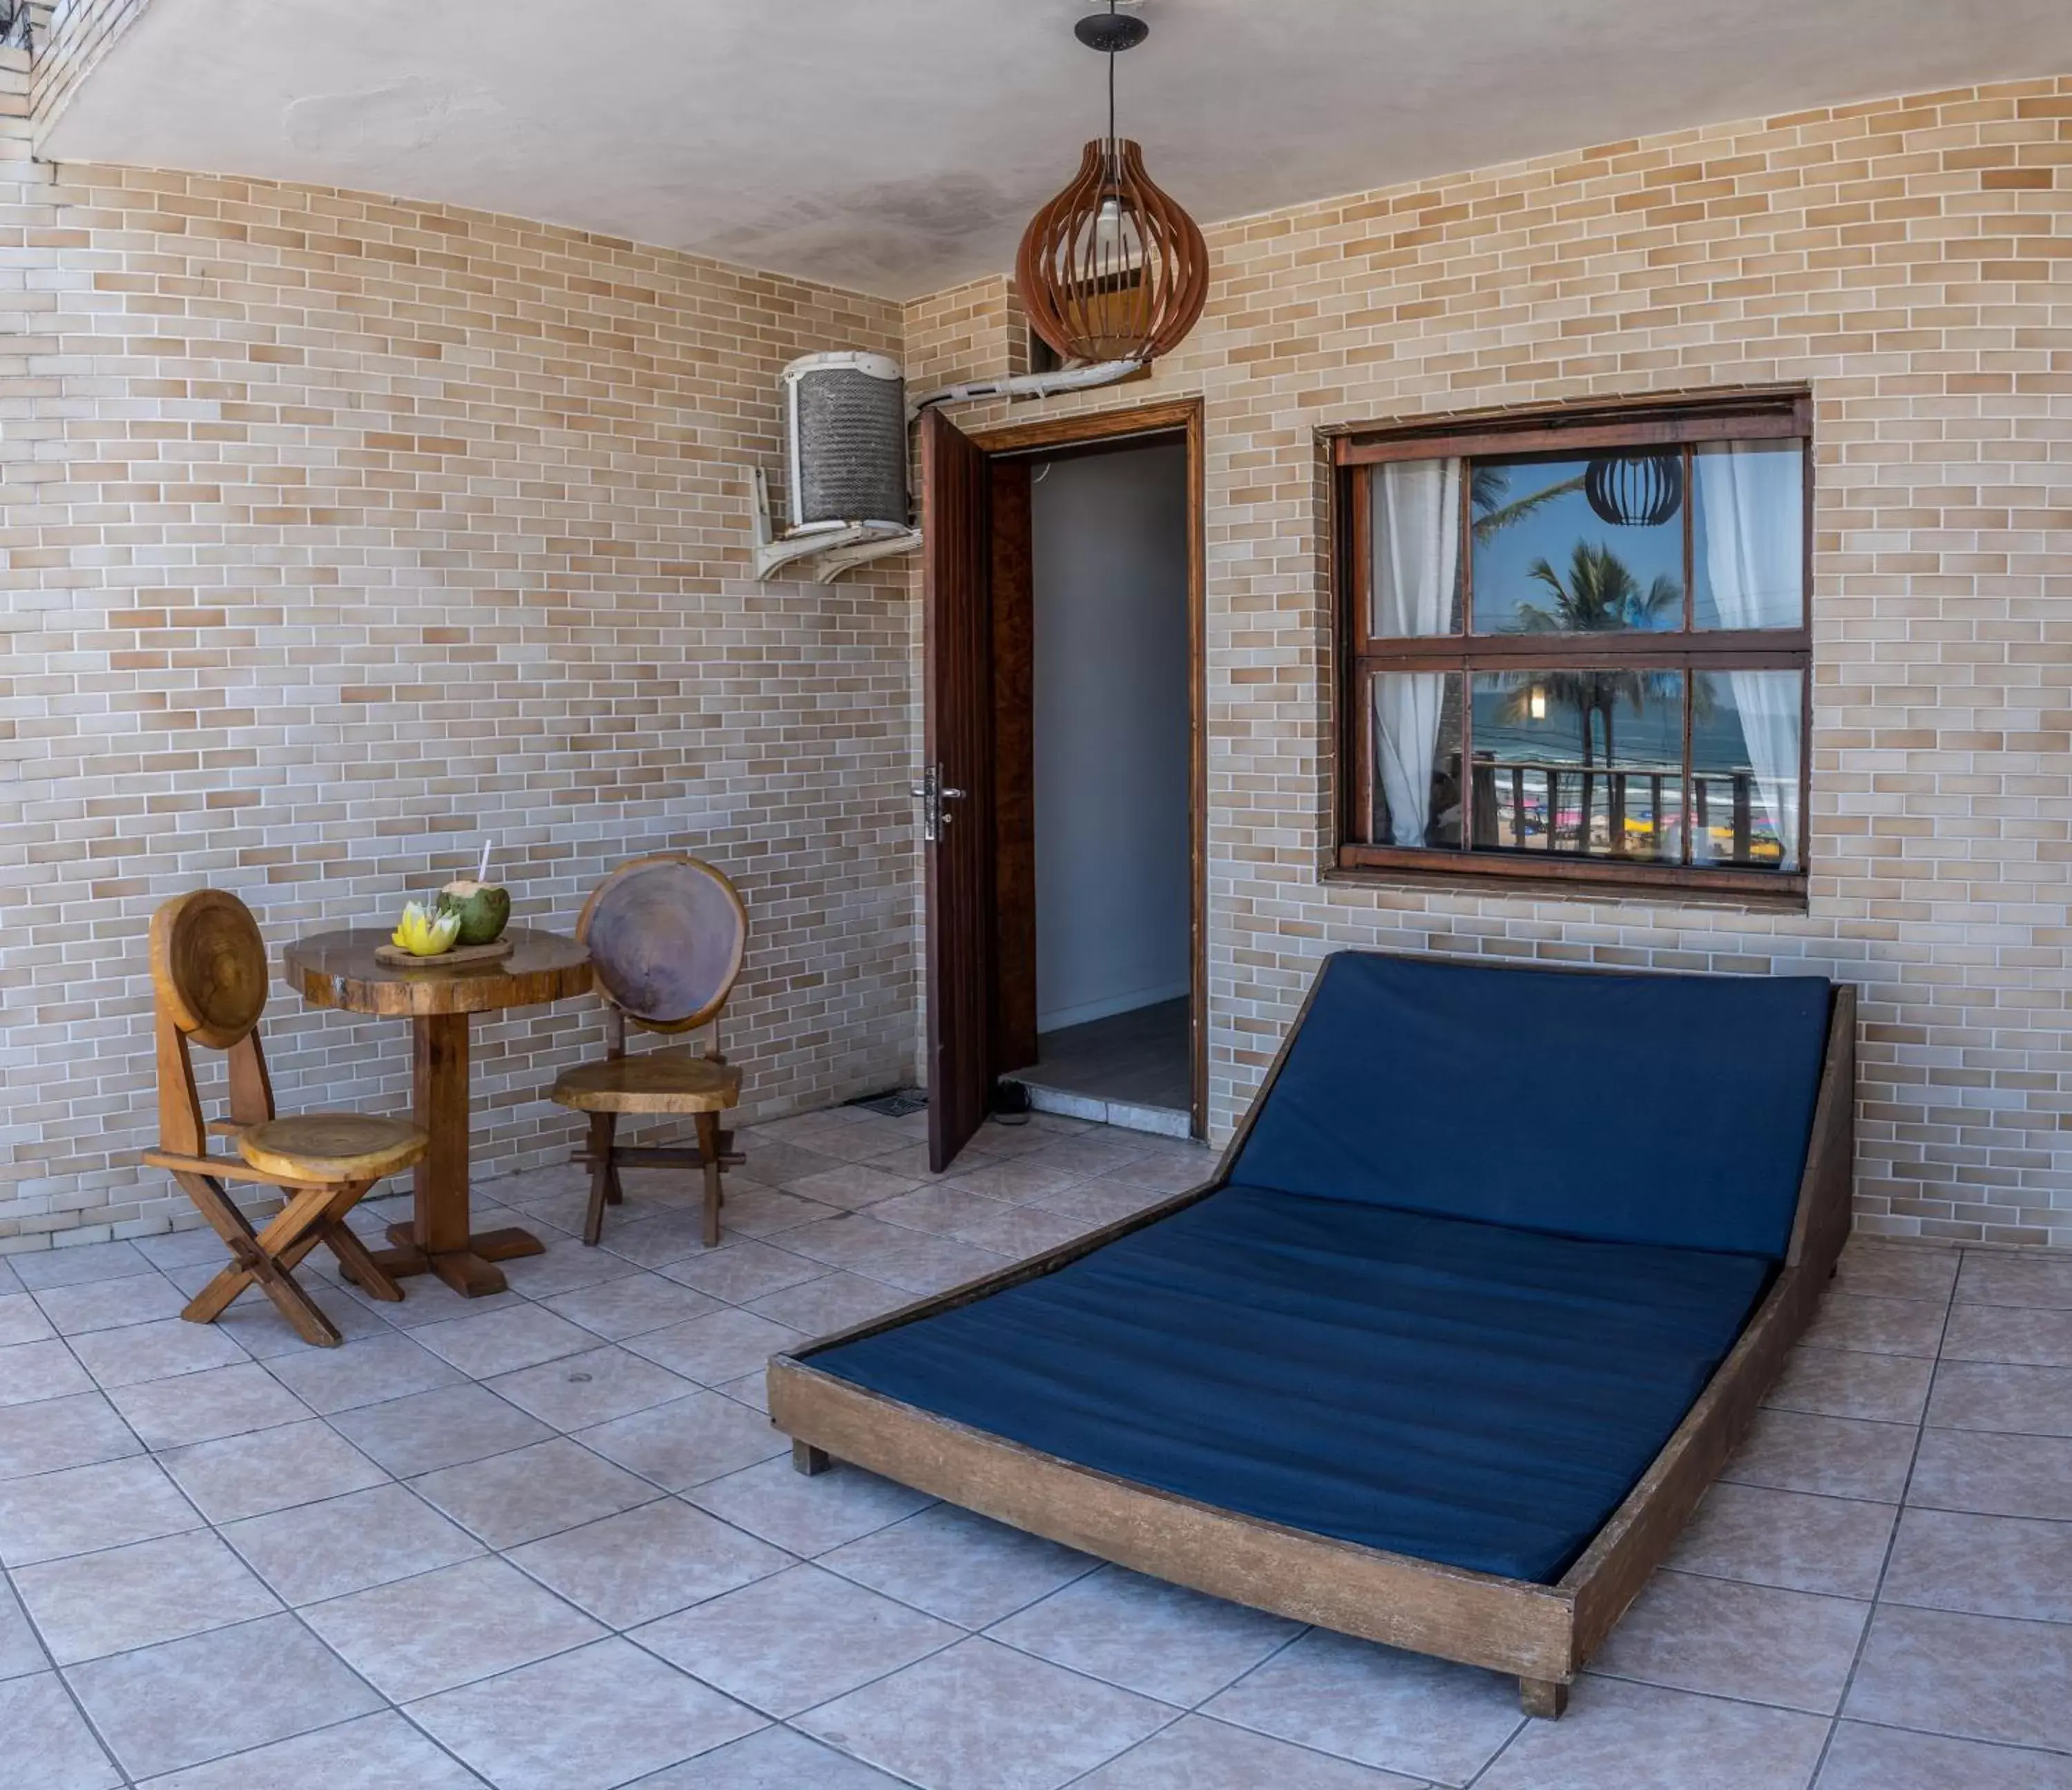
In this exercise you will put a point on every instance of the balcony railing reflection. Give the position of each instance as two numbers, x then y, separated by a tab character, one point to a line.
1624	811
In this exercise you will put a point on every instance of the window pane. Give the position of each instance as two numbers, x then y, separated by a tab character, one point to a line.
1578	763
1744	747
1417	759
1748	549
1414	525
1578	546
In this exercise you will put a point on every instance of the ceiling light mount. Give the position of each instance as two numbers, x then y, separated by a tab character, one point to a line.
1110	32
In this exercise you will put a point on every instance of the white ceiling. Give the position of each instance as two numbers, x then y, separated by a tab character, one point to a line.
898	146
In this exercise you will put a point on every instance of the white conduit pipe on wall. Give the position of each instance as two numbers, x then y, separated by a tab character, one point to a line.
1028	385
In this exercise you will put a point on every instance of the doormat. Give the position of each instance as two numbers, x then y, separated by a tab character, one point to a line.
895	1105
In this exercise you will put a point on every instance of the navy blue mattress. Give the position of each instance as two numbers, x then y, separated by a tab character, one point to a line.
1457	1391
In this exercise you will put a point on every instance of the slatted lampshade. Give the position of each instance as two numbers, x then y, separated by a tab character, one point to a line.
1634	490
1112	268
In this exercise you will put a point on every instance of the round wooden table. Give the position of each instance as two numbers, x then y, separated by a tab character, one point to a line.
338	968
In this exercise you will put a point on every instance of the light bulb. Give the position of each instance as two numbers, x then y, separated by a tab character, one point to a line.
1538	704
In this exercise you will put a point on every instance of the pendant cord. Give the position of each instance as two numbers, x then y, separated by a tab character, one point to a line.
1114	168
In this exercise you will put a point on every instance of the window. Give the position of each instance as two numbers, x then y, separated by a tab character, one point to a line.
1577	648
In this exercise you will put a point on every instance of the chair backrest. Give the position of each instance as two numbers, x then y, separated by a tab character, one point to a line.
208	974
1672	1109
666	936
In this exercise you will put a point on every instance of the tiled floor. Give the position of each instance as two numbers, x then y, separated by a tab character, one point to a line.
1139	1058
549	1543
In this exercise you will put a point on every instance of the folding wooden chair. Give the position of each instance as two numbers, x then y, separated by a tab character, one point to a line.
209	969
666	935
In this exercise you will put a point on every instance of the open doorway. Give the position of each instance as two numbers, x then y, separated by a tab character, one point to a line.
1062	785
1110	749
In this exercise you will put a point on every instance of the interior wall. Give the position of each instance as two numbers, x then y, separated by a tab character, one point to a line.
1903	258
338	533
1110	573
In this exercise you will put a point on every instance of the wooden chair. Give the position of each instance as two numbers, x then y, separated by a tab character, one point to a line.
208	971
666	936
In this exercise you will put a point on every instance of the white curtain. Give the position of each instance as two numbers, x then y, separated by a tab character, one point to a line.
1749	494
1416	535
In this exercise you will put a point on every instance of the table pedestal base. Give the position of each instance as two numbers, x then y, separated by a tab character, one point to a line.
472	1272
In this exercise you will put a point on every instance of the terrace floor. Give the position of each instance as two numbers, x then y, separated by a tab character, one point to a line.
548	1541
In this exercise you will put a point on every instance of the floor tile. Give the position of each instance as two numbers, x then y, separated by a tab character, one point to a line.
141	1351
105	1304
1988	1395
256	1326
566	1265
56	1433
1896	1270
982	1717
182	1249
589	1720
1401	1712
248	1476
21	1653
744	1270
421	1635
762	1212
1014	1182
1989	1566
847	1239
1997	1475
2009	1334
807	1516
1977	1677
648	1563
930	1264
630	1304
502	1341
1835	1382
721	1345
87	1605
688	1441
533	1492
940	1209
1145	1635
1862	1758
2015	1277
578	1391
1790	1649
382	1751
794	1640
1789	1539
39	1269
176	1704
431	1430
834	1302
206	1407
1020	1231
774	1758
22	1320
1839	1457
1877	1326
30	1372
659	1238
1097	1202
959	1566
1637	1737
369	1371
48	1745
81	1509
1198	1754
852	1186
751	1390
349	1544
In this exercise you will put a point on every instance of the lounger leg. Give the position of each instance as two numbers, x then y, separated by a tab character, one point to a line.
1547	1698
807	1459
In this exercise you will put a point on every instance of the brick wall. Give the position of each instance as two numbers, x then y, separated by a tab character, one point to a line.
1909	261
336	532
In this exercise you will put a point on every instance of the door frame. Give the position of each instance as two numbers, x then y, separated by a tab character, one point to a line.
1182	418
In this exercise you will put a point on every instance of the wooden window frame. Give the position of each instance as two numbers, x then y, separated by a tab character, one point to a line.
1684	423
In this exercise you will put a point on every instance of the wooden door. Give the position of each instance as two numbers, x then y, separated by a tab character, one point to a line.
958	809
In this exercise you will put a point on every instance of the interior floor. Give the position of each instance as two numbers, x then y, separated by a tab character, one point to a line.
1139	1058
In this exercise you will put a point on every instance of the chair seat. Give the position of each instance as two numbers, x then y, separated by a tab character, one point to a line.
652	1082
332	1147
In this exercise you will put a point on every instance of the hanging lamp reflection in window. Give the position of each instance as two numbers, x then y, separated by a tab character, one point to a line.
1112	268
1634	490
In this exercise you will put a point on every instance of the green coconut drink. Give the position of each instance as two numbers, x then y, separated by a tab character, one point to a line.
484	909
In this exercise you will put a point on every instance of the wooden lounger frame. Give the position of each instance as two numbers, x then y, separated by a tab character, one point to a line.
1544	1633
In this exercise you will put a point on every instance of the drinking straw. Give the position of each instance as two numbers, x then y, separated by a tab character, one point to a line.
482	876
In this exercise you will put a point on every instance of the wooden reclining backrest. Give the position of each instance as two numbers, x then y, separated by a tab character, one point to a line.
666	936
208	975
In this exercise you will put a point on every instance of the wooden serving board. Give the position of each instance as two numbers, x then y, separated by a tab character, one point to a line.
459	958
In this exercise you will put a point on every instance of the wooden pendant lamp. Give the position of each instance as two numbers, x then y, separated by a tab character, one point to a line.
1112	268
